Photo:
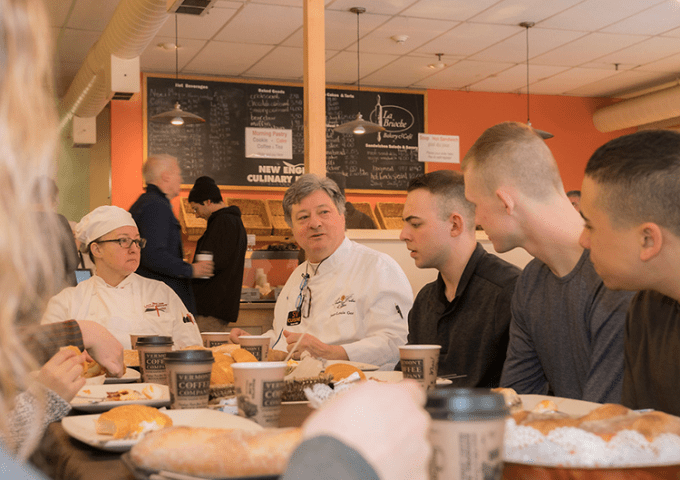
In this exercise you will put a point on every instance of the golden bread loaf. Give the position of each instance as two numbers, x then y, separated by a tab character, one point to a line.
216	452
276	355
128	421
131	358
241	355
341	371
605	421
222	373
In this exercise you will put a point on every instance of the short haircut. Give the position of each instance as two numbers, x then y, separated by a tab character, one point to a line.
512	152
639	176
574	193
305	186
448	187
157	165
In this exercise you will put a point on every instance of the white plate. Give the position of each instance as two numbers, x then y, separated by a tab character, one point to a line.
82	427
130	376
99	391
366	367
395	377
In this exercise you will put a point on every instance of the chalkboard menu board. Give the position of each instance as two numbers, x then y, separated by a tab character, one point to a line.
254	133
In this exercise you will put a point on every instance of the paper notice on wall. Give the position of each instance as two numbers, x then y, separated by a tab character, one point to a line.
438	148
269	143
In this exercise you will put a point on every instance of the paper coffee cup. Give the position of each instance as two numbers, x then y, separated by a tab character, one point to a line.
152	350
213	339
259	387
203	257
466	433
133	339
258	345
420	362
189	378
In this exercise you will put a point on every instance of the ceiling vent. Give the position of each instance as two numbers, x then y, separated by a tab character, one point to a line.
190	7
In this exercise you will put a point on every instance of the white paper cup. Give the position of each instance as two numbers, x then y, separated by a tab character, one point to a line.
189	377
203	257
134	337
259	387
420	362
213	339
258	345
152	350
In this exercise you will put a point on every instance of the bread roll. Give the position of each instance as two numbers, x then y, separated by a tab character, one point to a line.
341	371
78	352
222	373
216	452
240	355
128	421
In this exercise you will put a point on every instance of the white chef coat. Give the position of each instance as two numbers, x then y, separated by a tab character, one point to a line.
138	305
360	300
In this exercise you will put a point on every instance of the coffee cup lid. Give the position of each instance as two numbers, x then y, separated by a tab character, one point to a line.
189	356
465	404
154	340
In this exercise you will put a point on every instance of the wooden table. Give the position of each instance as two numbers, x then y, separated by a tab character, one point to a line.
61	457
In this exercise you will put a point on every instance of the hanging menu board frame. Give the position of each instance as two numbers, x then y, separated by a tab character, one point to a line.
380	163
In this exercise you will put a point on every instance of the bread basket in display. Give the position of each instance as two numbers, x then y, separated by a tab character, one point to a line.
557	438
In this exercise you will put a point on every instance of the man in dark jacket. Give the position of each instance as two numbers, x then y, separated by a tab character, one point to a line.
467	309
163	257
218	298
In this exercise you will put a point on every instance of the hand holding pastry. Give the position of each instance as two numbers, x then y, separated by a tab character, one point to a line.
103	347
63	373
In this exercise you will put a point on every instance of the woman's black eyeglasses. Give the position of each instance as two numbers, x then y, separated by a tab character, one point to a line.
126	242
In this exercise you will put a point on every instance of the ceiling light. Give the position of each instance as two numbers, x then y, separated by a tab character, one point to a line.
358	126
439	65
544	135
176	116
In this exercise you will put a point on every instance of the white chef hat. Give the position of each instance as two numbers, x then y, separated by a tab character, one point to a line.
101	221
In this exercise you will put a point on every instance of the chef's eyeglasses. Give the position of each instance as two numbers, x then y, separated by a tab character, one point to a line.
299	303
126	242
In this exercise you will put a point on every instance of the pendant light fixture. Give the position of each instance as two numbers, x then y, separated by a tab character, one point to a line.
177	116
358	126
544	135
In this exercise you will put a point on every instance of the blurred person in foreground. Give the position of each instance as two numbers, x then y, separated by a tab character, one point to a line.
373	431
116	297
467	309
31	267
575	199
218	298
631	206
566	332
163	257
350	301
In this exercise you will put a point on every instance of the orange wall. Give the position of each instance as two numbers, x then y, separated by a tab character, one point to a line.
466	114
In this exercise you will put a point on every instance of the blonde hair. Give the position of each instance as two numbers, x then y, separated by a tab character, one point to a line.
513	152
30	262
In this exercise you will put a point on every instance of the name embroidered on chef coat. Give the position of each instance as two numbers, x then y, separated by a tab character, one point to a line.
156	307
342	305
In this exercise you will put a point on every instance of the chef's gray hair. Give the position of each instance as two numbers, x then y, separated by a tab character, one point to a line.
305	186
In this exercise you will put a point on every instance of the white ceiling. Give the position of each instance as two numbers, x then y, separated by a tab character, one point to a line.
577	47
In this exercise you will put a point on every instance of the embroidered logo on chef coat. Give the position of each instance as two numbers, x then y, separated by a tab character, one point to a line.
343	305
156	307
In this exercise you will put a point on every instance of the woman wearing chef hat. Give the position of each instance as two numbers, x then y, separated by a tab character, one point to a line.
116	297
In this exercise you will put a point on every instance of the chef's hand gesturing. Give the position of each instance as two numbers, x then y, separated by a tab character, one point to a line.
314	346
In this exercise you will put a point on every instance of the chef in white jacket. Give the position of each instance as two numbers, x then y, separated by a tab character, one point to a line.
351	301
116	297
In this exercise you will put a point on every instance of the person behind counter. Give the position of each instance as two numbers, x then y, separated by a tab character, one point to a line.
163	257
116	297
31	265
353	217
349	300
566	332
218	298
467	309
630	203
